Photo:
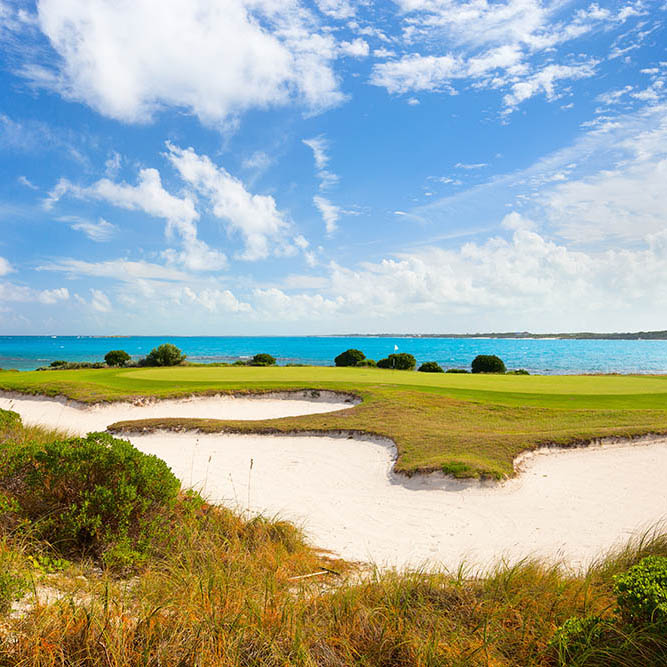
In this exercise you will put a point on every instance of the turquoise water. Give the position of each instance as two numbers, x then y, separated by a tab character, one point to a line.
537	356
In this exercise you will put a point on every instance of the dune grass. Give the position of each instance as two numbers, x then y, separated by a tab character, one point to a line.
467	425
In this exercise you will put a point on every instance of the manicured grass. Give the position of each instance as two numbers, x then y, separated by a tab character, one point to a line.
468	425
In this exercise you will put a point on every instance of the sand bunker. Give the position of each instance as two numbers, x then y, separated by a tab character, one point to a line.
570	504
80	418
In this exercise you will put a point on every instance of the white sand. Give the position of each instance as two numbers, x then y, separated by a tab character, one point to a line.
569	504
79	418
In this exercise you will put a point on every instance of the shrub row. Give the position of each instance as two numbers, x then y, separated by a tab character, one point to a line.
482	363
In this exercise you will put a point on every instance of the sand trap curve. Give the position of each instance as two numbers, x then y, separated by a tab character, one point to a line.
569	504
80	418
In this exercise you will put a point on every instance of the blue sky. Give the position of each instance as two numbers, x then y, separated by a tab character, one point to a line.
231	167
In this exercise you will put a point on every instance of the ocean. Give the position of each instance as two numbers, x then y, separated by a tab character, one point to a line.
548	356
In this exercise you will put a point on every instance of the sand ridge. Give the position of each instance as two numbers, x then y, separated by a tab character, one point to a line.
570	504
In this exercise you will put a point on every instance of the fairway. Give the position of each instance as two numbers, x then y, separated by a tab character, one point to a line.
466	425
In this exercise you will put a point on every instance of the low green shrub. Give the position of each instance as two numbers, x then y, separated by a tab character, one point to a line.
262	359
457	370
350	357
641	592
487	363
116	358
366	363
518	371
430	367
401	361
164	355
9	419
96	495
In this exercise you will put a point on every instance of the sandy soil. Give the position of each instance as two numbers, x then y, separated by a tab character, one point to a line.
569	504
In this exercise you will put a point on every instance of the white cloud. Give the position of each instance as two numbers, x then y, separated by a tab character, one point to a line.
517	222
96	231
337	9
5	267
150	197
213	300
319	146
117	269
259	160
128	60
478	165
23	180
21	294
100	301
330	213
255	218
544	81
357	48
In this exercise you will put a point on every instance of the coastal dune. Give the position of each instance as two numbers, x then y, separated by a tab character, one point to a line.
564	504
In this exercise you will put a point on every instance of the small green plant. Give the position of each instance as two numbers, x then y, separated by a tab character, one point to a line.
116	358
366	363
401	361
518	371
457	370
9	419
350	357
641	592
13	577
487	363
430	367
263	359
164	355
578	637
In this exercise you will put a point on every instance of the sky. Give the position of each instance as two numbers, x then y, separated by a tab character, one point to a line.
276	167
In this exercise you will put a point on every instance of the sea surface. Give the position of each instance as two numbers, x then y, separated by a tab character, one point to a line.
537	356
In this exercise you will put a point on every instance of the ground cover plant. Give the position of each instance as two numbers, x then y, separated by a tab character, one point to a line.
232	590
464	424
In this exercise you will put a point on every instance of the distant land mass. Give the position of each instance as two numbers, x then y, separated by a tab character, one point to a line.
581	335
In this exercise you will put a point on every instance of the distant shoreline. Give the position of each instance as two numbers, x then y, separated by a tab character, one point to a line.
509	335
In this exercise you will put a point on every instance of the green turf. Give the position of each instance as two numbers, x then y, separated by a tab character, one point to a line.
469	425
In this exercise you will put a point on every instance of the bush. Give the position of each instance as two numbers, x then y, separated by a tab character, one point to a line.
9	419
116	358
350	357
58	364
641	592
164	355
95	495
457	370
430	367
263	359
518	371
578	637
487	363
367	363
400	362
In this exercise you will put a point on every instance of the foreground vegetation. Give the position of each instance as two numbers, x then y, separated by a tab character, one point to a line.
464	424
216	588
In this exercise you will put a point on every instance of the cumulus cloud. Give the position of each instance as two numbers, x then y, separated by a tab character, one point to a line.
5	267
128	60
357	48
150	196
19	293
255	218
338	9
